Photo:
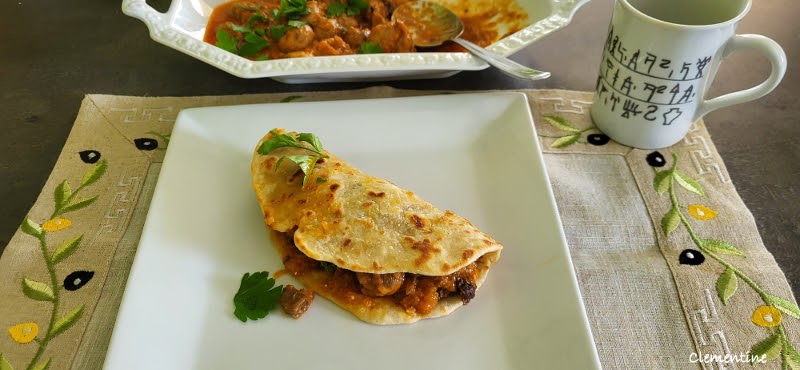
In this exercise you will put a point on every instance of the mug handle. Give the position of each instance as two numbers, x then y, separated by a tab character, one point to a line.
771	50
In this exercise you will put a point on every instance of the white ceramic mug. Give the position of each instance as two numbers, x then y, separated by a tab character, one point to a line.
659	60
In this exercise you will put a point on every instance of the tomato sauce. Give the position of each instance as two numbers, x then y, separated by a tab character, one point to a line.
419	294
261	29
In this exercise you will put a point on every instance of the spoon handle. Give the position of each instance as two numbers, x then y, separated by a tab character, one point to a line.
502	63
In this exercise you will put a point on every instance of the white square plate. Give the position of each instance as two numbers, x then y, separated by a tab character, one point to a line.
475	154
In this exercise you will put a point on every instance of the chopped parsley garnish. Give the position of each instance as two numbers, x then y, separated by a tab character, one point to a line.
254	40
353	7
356	6
293	9
335	9
276	32
226	42
257	295
257	17
305	162
369	47
253	44
296	23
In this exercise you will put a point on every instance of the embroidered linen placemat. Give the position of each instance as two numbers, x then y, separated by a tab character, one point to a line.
671	267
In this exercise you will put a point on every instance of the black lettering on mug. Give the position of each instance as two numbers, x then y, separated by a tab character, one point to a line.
630	107
675	90
671	115
650	114
650	61
602	90
622	52
627	83
614	80
608	38
665	63
609	66
613	47
685	69
687	94
701	65
634	61
653	89
614	100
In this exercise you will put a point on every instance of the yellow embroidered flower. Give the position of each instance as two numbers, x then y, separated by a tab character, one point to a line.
702	212
766	316
56	224
24	333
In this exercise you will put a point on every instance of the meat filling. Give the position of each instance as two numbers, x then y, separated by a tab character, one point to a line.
379	285
417	294
295	302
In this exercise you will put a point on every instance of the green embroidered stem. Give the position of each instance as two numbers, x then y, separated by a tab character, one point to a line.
66	201
777	344
573	134
685	222
54	283
60	207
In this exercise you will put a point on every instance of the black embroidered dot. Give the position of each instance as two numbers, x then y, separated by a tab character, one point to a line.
655	159
597	139
144	143
691	257
89	156
77	280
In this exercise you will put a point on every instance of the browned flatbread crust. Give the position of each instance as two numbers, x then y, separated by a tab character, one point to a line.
366	224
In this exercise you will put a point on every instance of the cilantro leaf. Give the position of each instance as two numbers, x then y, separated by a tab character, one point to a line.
257	17
293	9
305	162
277	140
356	6
311	139
276	32
296	23
240	28
254	43
257	296
225	41
369	47
335	9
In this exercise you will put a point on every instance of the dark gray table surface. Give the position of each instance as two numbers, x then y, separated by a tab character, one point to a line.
52	53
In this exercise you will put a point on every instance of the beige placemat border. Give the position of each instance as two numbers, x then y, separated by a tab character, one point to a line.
117	121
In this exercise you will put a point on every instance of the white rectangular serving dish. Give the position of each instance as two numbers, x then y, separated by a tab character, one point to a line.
475	154
183	25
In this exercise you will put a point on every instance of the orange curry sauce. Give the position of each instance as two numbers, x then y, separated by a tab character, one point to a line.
320	34
418	295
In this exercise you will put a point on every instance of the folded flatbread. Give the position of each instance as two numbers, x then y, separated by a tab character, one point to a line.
369	246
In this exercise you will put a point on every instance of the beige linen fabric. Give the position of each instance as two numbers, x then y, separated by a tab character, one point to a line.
647	310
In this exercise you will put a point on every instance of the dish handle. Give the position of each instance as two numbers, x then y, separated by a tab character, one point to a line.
140	10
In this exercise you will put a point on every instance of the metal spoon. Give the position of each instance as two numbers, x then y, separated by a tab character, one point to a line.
431	24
